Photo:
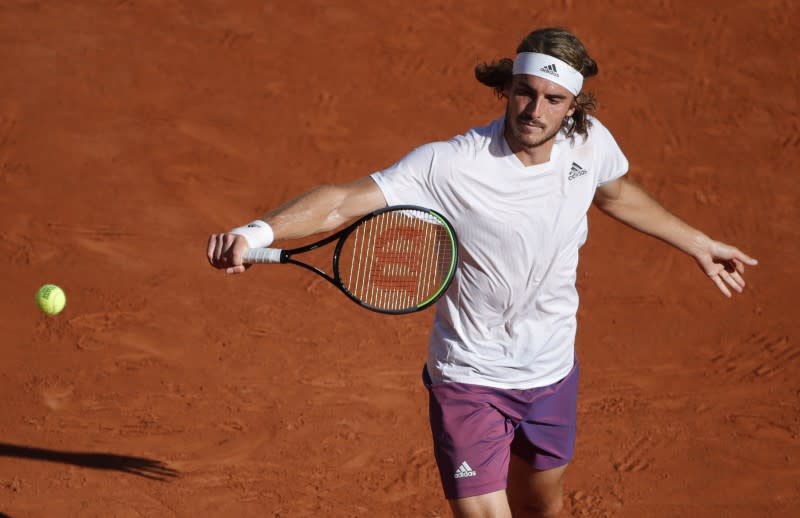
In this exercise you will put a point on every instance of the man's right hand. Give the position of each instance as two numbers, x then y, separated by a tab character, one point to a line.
225	252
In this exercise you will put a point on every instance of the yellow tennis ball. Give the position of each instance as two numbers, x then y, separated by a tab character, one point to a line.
51	299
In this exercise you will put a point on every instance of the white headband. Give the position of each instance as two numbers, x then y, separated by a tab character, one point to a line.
550	68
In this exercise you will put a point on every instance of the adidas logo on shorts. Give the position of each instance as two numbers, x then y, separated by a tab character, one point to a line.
465	471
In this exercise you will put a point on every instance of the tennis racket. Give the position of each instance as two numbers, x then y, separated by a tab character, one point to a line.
395	260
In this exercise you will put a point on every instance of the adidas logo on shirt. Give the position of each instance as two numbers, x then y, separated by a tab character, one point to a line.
465	471
576	171
550	69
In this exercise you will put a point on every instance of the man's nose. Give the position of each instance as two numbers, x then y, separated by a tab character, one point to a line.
534	107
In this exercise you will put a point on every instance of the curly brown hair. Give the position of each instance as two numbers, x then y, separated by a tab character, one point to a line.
560	44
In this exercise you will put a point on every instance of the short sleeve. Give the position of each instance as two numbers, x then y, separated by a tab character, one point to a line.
609	161
411	181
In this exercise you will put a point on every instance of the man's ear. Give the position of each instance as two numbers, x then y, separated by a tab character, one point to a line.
572	108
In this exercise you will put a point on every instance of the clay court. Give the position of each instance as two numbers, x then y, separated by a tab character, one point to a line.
131	130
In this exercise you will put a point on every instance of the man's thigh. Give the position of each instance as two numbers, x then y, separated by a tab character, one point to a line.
532	492
494	505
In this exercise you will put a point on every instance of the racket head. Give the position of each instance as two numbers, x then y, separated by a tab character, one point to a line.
397	260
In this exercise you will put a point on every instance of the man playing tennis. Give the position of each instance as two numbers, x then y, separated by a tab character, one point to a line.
501	369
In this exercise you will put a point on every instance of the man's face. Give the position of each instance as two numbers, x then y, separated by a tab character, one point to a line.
535	110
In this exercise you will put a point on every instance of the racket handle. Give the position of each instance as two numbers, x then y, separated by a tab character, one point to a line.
262	255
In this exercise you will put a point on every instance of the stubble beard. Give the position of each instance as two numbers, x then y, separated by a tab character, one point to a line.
528	141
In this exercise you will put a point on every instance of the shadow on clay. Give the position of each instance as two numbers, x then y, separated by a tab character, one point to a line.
143	467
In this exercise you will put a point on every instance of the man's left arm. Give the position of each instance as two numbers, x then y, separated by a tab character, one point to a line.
627	202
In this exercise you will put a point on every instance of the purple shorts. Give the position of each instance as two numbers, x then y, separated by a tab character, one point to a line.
476	429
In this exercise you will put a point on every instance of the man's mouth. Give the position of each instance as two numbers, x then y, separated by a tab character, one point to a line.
531	123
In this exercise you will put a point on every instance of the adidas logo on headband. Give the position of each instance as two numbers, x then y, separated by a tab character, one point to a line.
544	66
550	69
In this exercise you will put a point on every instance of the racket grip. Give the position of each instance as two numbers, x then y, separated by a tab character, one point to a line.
262	255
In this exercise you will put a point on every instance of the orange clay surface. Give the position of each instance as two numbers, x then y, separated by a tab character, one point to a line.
131	130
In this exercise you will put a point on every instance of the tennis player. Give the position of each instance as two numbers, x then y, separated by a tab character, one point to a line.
501	371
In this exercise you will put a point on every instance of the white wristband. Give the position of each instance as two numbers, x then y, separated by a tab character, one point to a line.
257	233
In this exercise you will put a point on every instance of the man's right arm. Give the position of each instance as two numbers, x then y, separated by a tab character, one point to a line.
321	209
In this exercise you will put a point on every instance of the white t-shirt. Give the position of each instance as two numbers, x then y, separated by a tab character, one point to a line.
508	318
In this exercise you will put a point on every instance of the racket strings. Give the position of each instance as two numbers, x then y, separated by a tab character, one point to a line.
397	260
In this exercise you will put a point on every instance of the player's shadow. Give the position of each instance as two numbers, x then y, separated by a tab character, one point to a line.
141	466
